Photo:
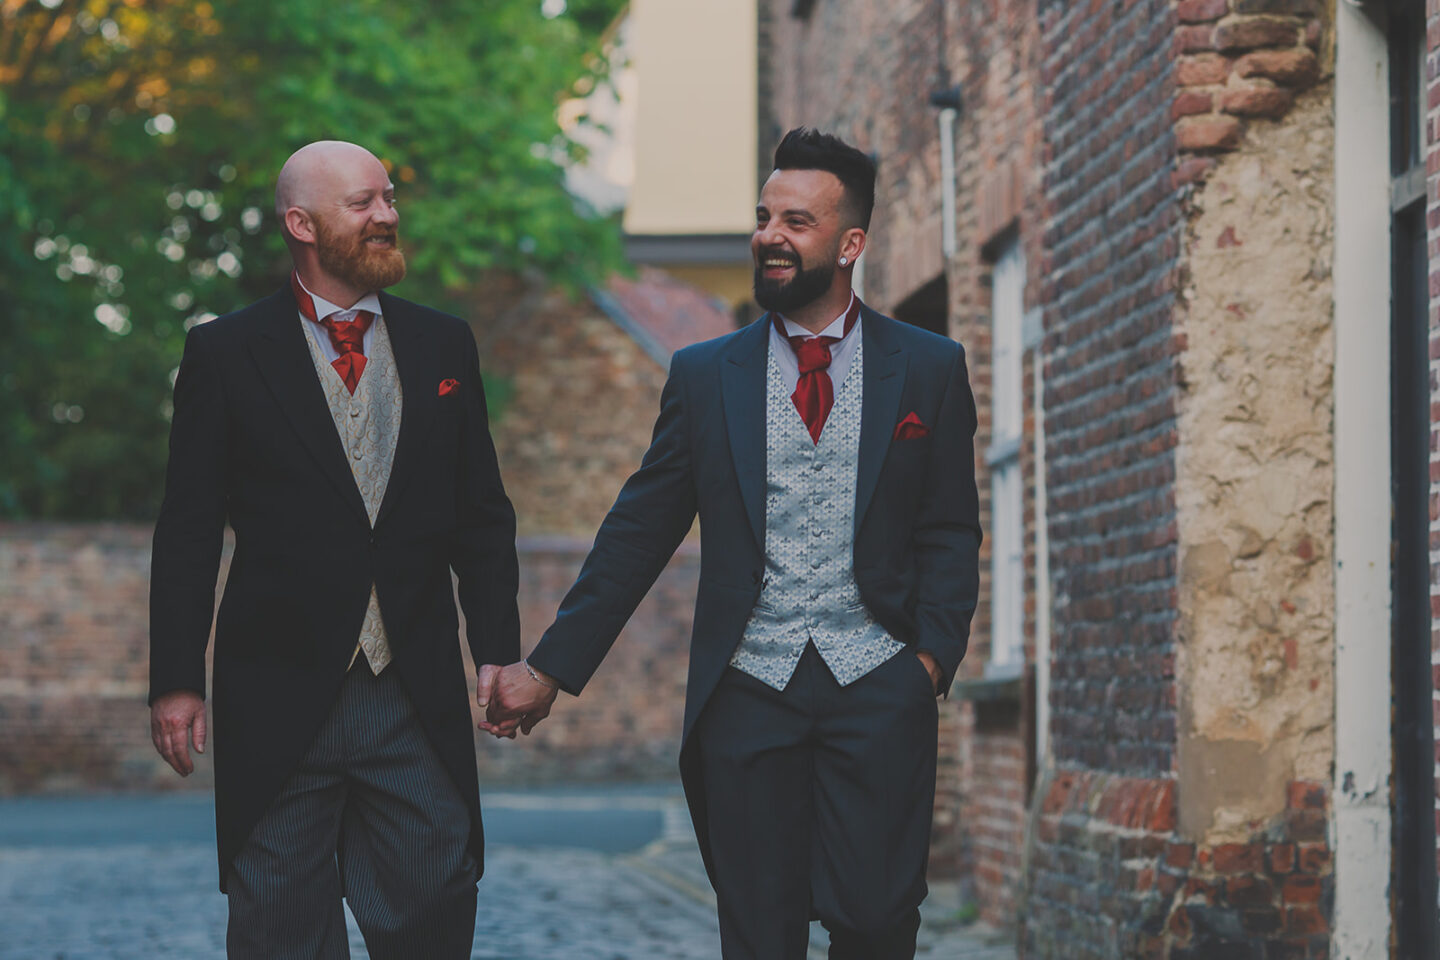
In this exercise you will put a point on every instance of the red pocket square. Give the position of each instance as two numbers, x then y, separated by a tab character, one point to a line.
448	385
911	428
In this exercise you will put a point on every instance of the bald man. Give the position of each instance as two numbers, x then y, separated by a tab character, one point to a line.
342	434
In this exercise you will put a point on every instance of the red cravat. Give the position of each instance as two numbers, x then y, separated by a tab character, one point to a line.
347	336
814	392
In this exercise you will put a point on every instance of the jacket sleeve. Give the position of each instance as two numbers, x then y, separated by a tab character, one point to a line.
482	553
947	530
651	516
189	534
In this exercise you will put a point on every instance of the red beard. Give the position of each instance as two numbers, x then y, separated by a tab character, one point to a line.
353	260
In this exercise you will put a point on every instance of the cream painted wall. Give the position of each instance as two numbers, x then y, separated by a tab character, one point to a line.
696	129
1360	833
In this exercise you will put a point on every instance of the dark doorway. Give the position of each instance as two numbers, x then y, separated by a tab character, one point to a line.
1417	920
928	307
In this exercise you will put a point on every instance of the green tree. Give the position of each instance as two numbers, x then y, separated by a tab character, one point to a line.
138	149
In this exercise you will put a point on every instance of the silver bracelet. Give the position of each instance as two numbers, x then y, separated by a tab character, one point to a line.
536	677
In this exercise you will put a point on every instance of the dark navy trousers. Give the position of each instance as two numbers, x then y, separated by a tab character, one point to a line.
370	816
820	801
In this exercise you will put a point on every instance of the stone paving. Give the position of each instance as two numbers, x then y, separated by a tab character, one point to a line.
80	899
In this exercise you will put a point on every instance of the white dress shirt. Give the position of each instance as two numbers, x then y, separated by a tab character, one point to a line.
324	308
841	354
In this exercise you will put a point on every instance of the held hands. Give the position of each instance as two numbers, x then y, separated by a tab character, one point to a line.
177	722
513	699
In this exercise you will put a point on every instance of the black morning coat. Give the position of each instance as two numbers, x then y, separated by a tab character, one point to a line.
917	524
252	443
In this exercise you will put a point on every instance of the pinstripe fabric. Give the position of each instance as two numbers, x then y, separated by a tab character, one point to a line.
371	814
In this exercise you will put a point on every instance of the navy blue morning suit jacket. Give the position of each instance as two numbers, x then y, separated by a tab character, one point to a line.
917	520
252	443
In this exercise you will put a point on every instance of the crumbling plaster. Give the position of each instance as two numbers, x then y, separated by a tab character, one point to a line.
1255	478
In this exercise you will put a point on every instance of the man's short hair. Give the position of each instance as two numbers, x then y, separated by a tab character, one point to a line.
805	148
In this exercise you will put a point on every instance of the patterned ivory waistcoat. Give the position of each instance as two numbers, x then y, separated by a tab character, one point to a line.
369	425
809	592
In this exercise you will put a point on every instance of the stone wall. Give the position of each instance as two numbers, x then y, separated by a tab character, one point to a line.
73	669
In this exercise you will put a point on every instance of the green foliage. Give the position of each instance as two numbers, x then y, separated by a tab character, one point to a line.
138	149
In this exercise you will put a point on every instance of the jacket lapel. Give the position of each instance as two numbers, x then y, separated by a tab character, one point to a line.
884	381
742	388
283	356
420	396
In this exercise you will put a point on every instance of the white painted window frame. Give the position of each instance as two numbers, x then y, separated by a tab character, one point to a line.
1361	828
1007	485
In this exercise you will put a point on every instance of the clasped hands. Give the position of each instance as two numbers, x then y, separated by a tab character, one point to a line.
517	697
513	699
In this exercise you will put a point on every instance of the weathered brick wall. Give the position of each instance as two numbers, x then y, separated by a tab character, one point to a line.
73	669
1133	889
578	398
992	52
1112	242
1137	851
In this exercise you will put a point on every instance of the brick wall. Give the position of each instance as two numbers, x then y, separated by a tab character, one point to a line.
1146	100
992	51
577	399
1132	889
73	669
1111	248
1112	242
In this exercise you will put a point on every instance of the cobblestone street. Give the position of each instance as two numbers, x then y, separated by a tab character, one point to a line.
99	880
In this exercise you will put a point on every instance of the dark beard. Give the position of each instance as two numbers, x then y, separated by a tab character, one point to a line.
352	260
803	289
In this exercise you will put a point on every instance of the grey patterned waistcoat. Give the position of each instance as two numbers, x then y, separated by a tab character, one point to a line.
369	427
809	591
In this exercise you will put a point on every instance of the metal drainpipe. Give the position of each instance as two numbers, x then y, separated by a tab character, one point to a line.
949	102
947	182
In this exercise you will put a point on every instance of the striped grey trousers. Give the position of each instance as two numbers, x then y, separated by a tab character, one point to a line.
372	816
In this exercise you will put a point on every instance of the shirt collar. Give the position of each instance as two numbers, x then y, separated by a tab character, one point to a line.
836	327
324	308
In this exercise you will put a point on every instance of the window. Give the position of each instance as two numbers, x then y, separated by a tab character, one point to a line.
1007	523
1412	669
928	307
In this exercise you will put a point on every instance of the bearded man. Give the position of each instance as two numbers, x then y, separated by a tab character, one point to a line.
829	454
342	433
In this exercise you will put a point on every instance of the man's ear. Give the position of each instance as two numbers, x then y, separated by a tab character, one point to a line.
300	225
852	244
